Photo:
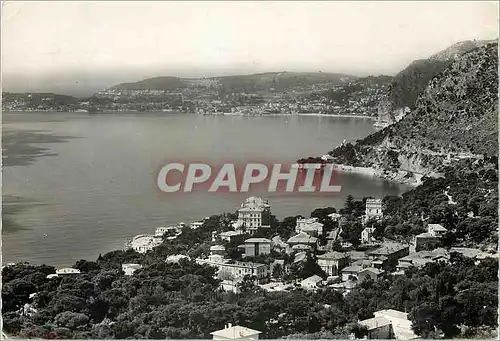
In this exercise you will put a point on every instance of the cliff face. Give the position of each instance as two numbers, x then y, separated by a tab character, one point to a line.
456	116
411	82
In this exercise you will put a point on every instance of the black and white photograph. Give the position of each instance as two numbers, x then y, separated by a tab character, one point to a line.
249	170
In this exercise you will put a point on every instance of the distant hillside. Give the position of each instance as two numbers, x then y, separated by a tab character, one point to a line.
156	83
376	80
457	112
282	80
408	84
38	98
255	82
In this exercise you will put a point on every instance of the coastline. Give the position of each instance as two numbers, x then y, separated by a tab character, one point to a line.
400	177
191	113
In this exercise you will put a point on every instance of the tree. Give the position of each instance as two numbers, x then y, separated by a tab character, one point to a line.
71	320
248	284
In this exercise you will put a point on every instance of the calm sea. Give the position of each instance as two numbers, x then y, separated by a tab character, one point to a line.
76	185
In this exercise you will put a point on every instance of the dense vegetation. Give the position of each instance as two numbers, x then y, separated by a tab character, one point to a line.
165	300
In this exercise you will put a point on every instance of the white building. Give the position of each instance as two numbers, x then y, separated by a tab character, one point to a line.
367	235
436	230
311	283
143	243
333	262
304	239
67	271
334	216
162	230
257	246
253	214
235	271
196	225
310	226
129	269
373	209
175	258
389	324
230	235
236	333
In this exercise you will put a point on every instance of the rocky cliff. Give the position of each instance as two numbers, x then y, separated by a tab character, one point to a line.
455	117
408	84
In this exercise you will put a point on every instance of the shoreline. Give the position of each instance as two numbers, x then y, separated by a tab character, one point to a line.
188	113
413	182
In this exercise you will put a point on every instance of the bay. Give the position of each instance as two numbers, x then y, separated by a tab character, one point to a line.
76	185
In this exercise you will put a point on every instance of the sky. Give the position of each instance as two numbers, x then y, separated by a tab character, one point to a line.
85	46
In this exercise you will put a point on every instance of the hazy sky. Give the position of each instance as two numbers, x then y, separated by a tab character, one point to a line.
101	42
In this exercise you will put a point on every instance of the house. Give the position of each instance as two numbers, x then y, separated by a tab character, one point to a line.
275	286
425	241
311	283
349	271
367	235
334	216
253	214
235	271
303	238
301	248
236	333
129	269
257	246
67	271
389	324
380	262
393	251
143	243
357	255
278	243
310	226
436	229
175	258
230	285
333	262
167	230
196	225
344	287
229	236
429	240
372	273
373	210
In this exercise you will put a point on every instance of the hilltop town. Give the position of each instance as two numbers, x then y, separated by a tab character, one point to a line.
301	93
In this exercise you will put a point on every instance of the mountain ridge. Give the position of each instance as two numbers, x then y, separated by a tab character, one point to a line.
409	83
457	113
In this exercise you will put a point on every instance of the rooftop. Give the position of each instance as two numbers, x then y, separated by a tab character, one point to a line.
437	227
388	249
375	322
258	240
303	238
65	271
217	248
352	268
313	279
372	270
426	235
235	332
333	255
373	202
